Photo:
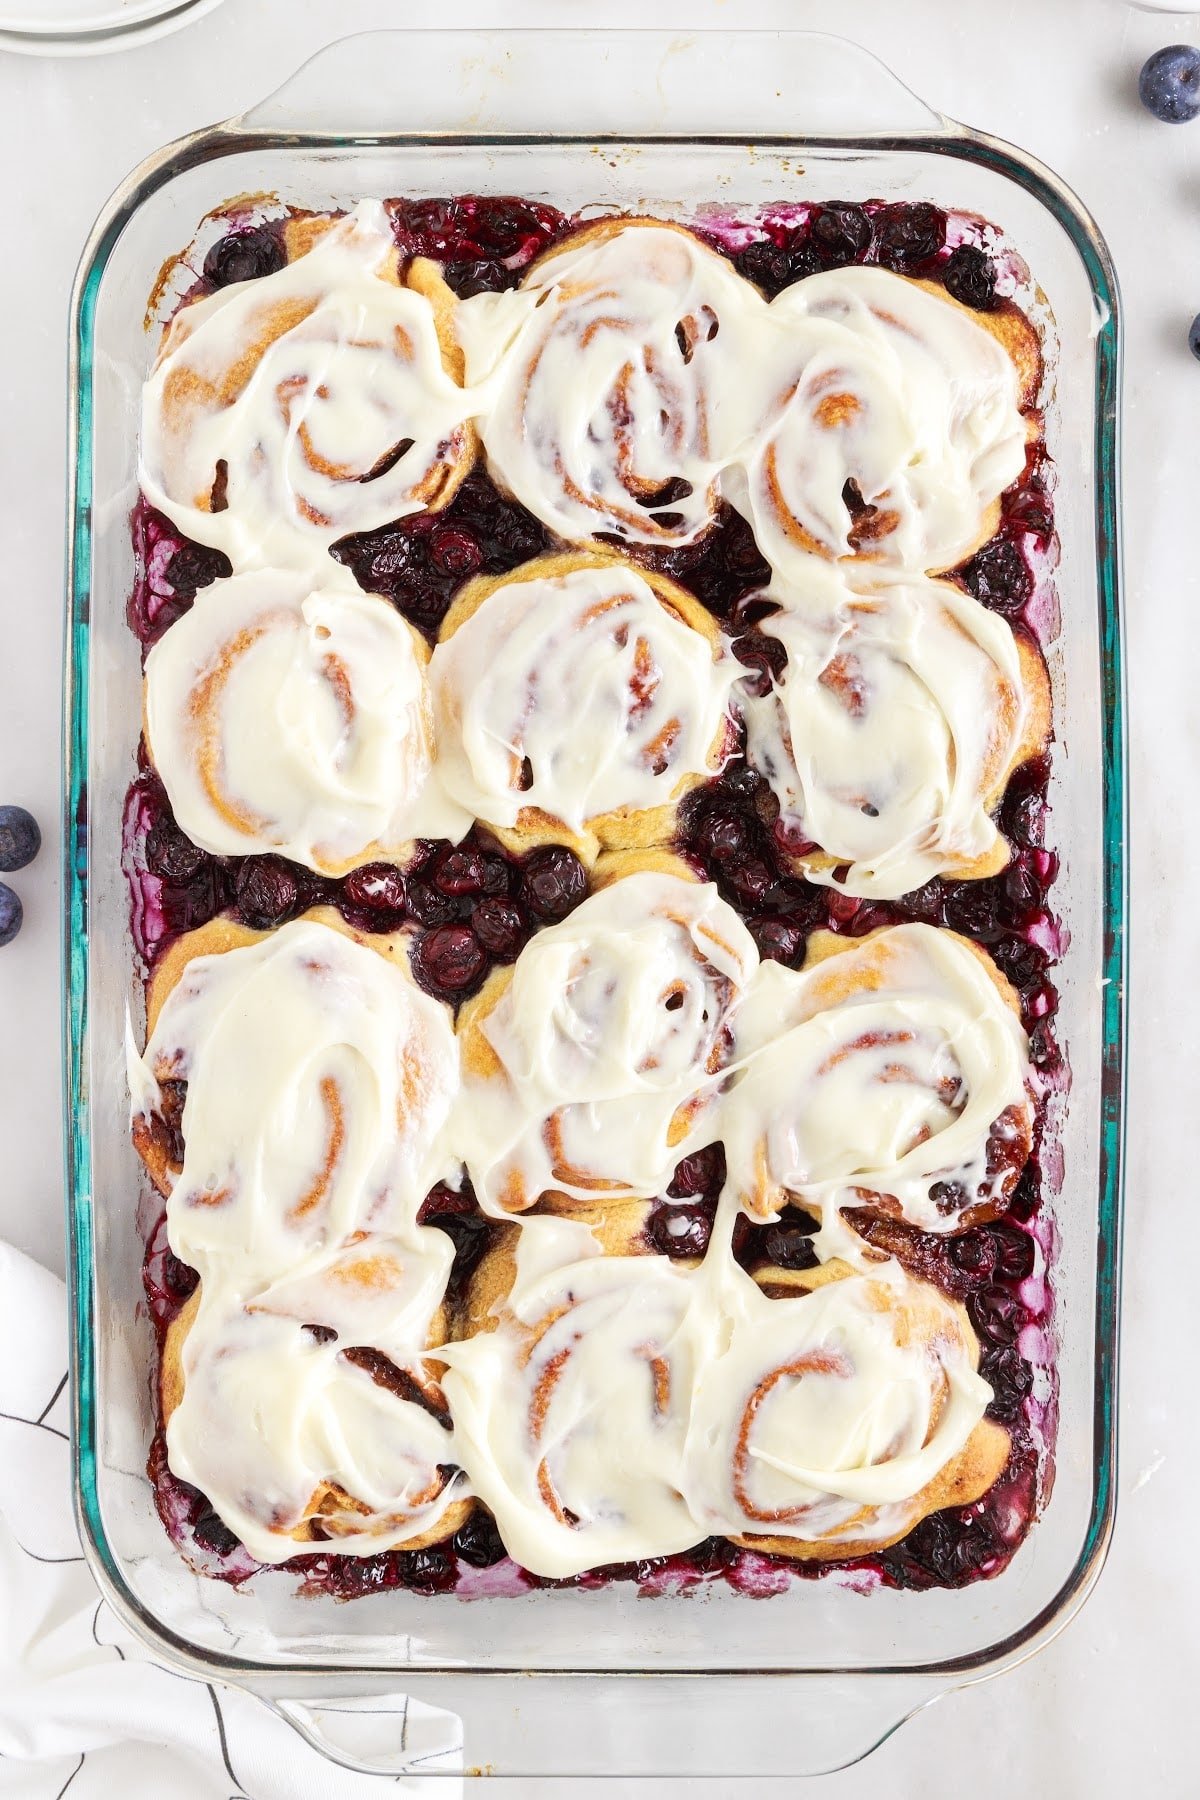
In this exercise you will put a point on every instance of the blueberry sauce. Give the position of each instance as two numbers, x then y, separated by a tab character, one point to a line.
471	907
482	244
420	562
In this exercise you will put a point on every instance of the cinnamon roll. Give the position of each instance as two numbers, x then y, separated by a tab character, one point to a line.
299	1438
296	1387
895	418
592	1062
296	718
891	1073
889	737
577	699
837	1411
603	379
571	1400
295	1091
326	398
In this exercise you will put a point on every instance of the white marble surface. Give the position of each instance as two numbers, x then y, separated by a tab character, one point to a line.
1108	1709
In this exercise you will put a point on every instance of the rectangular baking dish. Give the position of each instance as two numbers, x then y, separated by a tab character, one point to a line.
569	1681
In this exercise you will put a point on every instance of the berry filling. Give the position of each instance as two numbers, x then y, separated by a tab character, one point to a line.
473	906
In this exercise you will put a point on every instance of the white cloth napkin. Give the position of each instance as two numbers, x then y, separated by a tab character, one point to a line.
84	1711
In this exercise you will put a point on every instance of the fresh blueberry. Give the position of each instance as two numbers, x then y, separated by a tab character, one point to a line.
1169	84
10	915
1194	336
20	839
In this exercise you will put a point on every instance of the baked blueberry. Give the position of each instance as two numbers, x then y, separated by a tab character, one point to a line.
244	256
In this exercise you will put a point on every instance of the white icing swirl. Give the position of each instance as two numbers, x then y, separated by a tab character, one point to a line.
270	1416
606	372
320	1081
288	717
285	412
570	1415
876	381
884	1073
892	727
613	1038
580	694
820	1418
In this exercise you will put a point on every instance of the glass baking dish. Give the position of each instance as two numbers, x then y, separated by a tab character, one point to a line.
570	1681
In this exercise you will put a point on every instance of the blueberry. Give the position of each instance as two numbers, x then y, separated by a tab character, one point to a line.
681	1230
554	881
1169	84
448	960
195	566
970	277
10	915
267	892
1194	336
500	927
20	839
478	1542
244	256
841	232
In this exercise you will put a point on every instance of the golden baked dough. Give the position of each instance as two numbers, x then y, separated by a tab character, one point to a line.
628	827
1033	741
151	1133
480	1061
963	1480
332	1512
846	972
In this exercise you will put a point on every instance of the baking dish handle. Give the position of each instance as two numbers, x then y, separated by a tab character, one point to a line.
576	83
618	1726
386	1734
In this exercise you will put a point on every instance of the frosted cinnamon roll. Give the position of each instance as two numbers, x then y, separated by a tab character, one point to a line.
299	1439
570	1402
294	1092
577	700
894	421
292	717
837	1411
888	739
283	413
603	375
891	1073
593	1060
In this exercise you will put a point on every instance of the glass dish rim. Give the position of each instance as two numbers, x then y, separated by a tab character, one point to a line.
949	139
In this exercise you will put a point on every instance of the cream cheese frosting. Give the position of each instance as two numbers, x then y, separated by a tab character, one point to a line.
884	1070
570	1415
612	1040
878	382
319	1081
580	694
292	717
320	1084
896	718
285	412
602	381
620	1407
269	1416
819	1417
